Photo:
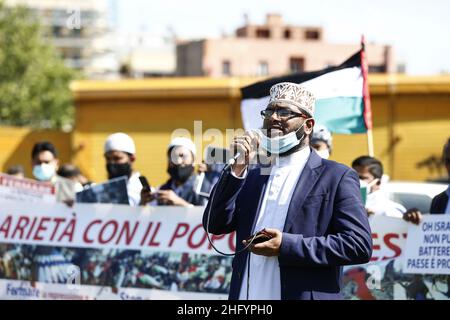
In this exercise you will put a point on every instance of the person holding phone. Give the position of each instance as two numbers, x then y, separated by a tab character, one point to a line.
120	155
215	160
179	190
305	212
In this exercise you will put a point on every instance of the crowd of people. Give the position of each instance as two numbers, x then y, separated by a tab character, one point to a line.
159	270
118	268
131	269
181	189
120	155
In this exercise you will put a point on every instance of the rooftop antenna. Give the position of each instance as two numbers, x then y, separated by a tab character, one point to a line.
246	18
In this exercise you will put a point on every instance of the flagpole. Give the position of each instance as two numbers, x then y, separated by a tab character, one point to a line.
366	97
370	142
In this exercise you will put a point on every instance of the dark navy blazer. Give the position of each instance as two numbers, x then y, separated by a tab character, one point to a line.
439	203
326	227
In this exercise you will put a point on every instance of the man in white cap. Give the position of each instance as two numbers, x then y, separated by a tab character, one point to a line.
120	154
179	189
321	141
309	209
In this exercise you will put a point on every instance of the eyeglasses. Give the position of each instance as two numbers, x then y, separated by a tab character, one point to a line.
283	113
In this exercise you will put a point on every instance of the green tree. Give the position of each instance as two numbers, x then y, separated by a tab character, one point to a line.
34	82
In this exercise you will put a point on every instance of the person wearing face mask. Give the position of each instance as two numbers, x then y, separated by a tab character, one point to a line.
309	207
321	141
179	189
120	154
69	171
45	163
370	171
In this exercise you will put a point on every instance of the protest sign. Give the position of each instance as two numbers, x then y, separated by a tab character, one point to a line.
112	191
12	188
106	251
428	247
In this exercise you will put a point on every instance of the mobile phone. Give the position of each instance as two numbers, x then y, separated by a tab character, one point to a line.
216	158
144	183
260	236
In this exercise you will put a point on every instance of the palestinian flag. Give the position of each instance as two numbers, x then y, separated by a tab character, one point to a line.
342	96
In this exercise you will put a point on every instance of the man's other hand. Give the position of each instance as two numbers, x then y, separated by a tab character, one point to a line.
269	248
413	215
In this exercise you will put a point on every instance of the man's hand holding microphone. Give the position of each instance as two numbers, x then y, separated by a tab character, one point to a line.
245	147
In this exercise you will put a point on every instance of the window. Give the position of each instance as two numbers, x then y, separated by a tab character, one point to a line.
287	34
241	33
77	55
401	68
377	69
297	64
262	33
312	34
411	200
77	32
57	30
226	68
263	68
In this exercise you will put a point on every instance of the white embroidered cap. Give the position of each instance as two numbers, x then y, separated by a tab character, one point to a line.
294	94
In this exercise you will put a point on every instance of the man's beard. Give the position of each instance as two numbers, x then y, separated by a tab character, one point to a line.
300	133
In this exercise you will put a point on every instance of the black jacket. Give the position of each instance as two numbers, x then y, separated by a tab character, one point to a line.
187	192
439	203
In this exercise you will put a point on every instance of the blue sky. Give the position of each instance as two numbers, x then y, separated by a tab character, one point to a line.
418	30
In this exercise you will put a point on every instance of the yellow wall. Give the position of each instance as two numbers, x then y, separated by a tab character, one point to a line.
411	123
411	120
150	124
149	115
16	145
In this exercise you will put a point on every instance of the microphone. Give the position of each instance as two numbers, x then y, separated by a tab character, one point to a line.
238	154
233	160
211	202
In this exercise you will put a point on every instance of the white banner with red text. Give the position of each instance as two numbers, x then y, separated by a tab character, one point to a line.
101	251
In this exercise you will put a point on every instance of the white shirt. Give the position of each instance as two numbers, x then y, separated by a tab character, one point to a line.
134	187
265	282
379	202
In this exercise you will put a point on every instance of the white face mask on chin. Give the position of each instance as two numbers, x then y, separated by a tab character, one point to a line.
366	188
324	154
281	144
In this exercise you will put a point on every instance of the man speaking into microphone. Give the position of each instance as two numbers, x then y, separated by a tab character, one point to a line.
310	208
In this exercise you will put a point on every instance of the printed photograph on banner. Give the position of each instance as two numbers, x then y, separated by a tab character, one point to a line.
174	272
385	280
372	281
113	191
